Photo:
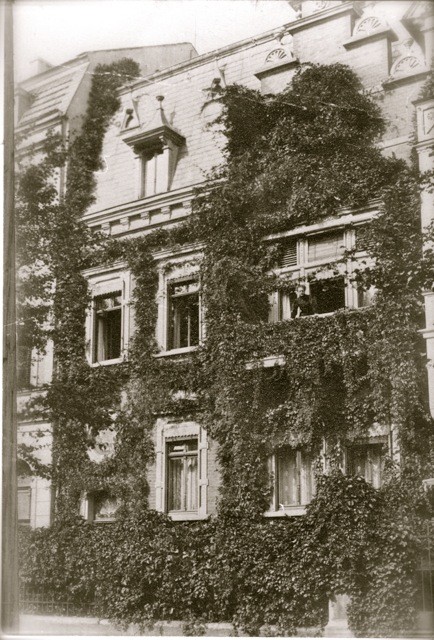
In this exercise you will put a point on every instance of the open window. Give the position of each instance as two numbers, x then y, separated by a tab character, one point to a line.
107	327
328	295
183	309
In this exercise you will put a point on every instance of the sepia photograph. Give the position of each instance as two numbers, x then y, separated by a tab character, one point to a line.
218	318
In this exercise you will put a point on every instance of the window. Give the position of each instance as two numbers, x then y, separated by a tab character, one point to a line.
181	470
182	476
367	461
294	480
99	506
24	366
183	321
328	295
24	503
154	173
317	262
108	327
327	246
104	506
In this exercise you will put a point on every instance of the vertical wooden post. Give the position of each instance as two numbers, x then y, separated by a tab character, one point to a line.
9	583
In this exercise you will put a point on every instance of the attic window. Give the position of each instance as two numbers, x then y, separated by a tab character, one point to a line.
156	149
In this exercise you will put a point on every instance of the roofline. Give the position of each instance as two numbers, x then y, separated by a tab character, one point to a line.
145	46
205	57
85	54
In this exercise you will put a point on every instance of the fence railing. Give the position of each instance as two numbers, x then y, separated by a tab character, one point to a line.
42	602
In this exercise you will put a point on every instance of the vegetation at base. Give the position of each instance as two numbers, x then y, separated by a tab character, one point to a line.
292	158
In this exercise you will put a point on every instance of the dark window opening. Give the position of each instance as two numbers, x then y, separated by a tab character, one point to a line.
182	475
328	295
108	327
24	366
104	506
183	315
367	461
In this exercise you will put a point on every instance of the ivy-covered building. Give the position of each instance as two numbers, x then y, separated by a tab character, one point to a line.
237	294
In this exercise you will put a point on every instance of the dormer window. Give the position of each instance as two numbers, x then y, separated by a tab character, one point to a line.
156	149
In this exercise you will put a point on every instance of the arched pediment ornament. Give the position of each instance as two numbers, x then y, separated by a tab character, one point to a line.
276	55
368	25
406	65
320	5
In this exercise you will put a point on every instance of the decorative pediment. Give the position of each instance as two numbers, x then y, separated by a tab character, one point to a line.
159	133
277	55
407	65
368	25
131	117
278	59
371	26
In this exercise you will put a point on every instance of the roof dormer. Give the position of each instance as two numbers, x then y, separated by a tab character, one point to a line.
156	147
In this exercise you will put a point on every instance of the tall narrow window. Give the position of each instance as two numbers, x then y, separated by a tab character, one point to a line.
182	476
294	481
24	503
24	365
367	461
108	327
183	314
154	173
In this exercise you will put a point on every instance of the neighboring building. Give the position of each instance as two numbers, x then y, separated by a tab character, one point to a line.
55	101
158	149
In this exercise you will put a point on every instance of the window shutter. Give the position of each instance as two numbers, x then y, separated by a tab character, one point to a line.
289	257
325	247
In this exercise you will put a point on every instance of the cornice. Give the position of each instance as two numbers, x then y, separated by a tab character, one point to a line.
322	16
385	33
142	206
346	218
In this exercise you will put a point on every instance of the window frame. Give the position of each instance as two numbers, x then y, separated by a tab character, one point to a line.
305	467
27	489
171	321
305	268
377	443
169	433
185	456
175	268
102	284
88	506
100	324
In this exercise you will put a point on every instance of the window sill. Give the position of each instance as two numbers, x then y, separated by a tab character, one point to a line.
175	352
286	511
104	363
107	520
179	516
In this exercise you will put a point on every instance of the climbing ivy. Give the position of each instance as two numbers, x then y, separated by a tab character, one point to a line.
292	158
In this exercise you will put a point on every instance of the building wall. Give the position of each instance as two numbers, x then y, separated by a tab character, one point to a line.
333	35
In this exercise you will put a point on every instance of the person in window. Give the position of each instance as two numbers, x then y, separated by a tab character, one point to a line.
302	305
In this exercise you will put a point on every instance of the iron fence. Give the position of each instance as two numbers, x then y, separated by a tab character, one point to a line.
44	602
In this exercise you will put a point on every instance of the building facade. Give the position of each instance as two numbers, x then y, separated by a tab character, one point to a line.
157	150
